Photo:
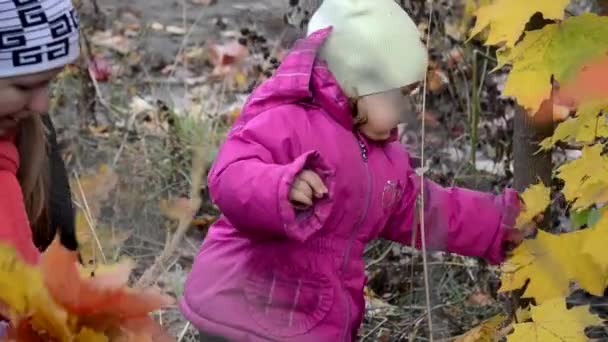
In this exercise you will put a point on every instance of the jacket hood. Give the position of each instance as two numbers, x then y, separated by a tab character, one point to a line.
301	77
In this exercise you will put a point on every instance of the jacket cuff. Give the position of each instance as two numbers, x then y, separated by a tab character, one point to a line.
510	206
303	224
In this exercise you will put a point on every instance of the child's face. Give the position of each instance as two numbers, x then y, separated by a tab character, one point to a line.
23	96
382	112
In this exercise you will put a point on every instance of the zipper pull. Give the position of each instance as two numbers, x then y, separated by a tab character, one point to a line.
363	150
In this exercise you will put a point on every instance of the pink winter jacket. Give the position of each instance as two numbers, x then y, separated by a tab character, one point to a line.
268	273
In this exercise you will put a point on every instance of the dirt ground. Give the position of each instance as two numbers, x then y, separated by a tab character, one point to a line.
139	123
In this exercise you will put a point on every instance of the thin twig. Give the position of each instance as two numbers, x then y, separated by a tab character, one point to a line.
199	163
381	257
183	332
374	329
89	217
422	165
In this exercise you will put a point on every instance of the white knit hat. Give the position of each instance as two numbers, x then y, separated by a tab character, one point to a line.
37	35
374	45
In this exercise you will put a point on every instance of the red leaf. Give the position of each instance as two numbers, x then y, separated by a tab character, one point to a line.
100	69
227	54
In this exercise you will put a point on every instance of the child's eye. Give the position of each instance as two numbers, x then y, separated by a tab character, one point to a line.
21	87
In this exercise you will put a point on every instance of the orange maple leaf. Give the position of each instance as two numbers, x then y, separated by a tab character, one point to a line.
588	84
101	299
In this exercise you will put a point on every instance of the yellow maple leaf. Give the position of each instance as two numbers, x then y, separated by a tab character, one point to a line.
90	335
25	297
536	199
97	241
584	128
551	262
507	19
585	176
595	244
487	331
594	192
553	322
556	51
523	314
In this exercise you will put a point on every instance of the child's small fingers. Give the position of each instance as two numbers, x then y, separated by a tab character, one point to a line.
303	187
299	197
315	182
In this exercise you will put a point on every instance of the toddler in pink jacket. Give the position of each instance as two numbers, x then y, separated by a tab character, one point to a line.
311	172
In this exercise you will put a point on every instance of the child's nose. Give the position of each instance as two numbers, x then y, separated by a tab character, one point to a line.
39	100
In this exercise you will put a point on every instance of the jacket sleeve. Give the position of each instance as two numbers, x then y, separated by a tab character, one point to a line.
252	175
456	220
14	224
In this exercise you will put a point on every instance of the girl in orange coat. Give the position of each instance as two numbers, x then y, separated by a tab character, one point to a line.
37	39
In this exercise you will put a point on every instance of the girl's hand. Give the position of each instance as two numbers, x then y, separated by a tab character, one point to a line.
306	187
515	236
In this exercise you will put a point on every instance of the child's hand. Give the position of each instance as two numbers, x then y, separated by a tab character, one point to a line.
515	236
305	188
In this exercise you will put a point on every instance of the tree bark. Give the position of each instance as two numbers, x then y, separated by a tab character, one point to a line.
530	166
603	7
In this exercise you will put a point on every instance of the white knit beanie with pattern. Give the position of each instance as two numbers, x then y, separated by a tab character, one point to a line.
37	36
374	45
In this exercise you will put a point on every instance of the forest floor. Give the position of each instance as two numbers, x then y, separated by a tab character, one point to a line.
157	91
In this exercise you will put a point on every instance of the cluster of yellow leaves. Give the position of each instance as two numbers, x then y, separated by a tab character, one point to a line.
564	63
58	300
556	52
552	262
584	128
585	178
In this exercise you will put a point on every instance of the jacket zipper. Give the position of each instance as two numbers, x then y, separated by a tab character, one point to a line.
364	156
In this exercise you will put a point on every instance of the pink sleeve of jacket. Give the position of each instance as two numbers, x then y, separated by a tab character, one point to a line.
252	176
456	220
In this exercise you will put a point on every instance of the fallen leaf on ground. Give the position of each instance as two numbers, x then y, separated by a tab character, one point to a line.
225	56
108	39
176	30
96	240
177	209
481	299
485	332
94	188
100	68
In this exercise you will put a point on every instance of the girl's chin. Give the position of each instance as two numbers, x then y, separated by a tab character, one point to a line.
375	136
